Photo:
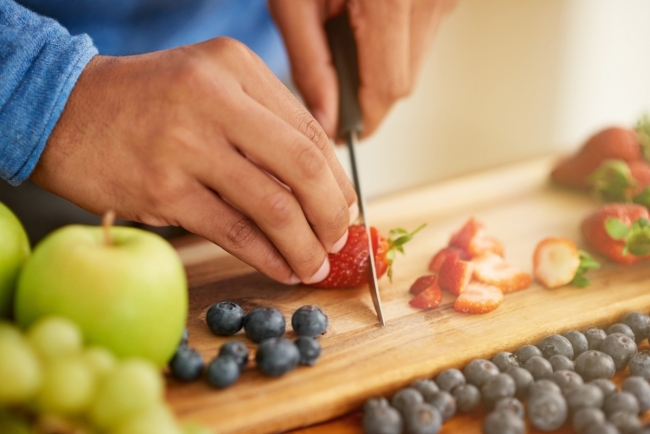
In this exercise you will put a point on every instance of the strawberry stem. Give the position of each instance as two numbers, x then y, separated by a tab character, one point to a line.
613	181
643	132
586	263
396	240
636	236
643	198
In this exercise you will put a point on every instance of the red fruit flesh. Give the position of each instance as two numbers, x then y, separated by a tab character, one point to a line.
431	297
472	239
478	298
610	143
593	229
455	274
423	283
439	258
494	270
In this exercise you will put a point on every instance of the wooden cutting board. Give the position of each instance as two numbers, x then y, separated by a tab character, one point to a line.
361	359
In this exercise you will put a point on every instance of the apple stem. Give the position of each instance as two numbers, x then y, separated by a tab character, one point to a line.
107	223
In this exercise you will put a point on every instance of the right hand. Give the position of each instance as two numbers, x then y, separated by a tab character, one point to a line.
199	136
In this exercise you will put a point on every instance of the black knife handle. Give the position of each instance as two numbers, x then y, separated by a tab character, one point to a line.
344	54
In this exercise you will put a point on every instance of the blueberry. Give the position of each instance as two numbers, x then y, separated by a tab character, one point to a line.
187	364
426	387
276	356
607	386
595	336
510	404
422	418
567	380
468	397
264	322
585	396
640	364
547	411
309	320
309	349
594	364
382	419
404	398
639	323
620	401
445	403
523	380
504	360
478	371
503	422
556	344
236	349
526	352
627	423
561	363
640	388
602	428
450	378
375	401
222	371
620	328
620	347
578	342
225	318
585	417
539	367
543	386
497	387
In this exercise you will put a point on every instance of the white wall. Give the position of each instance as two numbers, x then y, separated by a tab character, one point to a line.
510	79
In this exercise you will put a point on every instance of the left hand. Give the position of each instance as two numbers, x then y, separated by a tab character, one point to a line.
392	38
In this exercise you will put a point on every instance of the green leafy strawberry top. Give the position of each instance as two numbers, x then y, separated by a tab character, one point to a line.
396	240
586	263
636	236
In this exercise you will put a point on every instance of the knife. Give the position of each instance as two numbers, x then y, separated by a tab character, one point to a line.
344	55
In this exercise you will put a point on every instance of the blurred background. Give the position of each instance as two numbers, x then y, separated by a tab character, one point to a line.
505	80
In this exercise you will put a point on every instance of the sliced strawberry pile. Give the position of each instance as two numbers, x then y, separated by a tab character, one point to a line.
423	283
557	262
478	297
473	261
430	296
494	270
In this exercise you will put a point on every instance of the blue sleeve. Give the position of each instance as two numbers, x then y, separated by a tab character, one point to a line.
40	63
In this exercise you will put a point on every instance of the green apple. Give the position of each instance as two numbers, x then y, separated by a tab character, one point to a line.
14	250
127	291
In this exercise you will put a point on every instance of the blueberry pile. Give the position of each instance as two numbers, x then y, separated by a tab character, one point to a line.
565	380
275	355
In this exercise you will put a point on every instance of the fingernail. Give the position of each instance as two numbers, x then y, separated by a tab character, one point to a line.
340	243
294	279
354	212
322	272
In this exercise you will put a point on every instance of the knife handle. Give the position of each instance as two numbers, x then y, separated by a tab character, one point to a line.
344	54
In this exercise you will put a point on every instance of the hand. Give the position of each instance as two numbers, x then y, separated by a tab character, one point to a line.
205	137
392	39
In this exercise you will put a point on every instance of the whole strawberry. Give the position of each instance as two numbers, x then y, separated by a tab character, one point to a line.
619	231
349	268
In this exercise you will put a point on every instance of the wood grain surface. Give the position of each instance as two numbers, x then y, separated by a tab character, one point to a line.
361	359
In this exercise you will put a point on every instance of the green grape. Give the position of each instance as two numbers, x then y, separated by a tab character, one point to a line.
193	428
101	360
157	419
54	337
20	370
8	330
130	389
11	424
68	388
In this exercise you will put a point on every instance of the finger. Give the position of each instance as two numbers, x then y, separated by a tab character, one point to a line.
272	207
301	24
202	212
381	31
294	160
266	89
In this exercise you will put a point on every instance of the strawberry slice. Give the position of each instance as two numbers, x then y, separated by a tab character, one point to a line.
557	261
493	269
455	274
478	298
439	258
473	239
430	297
423	283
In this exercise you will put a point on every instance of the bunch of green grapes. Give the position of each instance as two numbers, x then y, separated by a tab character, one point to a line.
51	383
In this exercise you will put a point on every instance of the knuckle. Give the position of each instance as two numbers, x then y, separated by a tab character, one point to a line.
310	162
398	88
309	127
279	208
241	233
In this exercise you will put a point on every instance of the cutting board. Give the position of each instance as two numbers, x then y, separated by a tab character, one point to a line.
360	358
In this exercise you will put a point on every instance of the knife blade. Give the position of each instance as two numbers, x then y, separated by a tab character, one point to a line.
344	55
